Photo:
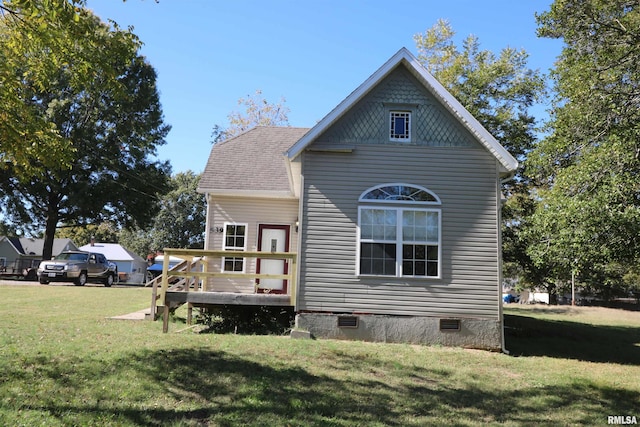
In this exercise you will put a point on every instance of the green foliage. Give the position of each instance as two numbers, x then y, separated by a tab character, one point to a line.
496	90
86	81
84	369
179	223
105	232
259	320
499	91
258	112
588	217
38	38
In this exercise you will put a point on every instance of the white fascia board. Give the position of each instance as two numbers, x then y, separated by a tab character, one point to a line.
259	194
346	104
506	160
466	118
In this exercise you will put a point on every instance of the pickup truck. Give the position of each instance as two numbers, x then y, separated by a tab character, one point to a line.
78	267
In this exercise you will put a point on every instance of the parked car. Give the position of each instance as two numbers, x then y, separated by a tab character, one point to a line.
78	267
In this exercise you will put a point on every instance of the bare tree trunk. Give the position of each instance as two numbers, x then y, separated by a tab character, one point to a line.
50	229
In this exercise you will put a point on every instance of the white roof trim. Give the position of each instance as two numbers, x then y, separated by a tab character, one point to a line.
507	161
262	194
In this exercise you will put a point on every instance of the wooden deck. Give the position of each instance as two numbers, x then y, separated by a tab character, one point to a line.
183	283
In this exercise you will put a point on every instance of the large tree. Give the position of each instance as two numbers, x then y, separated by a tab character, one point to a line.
588	220
257	112
108	125
499	90
37	39
180	222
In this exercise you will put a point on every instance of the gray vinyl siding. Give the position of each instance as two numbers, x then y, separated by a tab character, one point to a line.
466	181
250	211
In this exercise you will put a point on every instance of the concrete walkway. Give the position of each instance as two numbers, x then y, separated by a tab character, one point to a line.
136	315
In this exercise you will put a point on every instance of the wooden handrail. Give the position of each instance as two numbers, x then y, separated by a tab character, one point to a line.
204	255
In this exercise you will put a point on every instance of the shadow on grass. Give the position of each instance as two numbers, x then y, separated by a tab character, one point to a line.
206	387
528	336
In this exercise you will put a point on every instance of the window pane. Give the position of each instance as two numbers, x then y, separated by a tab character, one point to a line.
366	217
390	267
407	268
377	250
398	127
366	231
401	193
413	260
407	251
432	269
377	258
420	234
233	264
390	233
432	226
432	253
408	218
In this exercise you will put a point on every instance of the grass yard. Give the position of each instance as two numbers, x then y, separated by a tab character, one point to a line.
62	362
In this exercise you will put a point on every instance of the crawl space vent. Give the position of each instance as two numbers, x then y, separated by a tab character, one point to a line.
449	325
347	321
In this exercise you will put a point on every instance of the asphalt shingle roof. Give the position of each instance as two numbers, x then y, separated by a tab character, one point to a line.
254	161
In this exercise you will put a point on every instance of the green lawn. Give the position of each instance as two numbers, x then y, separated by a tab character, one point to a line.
62	362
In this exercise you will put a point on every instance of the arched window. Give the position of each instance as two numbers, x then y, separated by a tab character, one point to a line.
399	193
397	235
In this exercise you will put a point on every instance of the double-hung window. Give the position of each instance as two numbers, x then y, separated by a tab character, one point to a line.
234	239
398	235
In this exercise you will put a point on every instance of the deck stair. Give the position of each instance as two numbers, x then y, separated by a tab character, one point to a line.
195	282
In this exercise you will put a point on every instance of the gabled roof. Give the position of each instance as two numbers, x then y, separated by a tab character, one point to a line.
404	57
112	251
251	163
34	247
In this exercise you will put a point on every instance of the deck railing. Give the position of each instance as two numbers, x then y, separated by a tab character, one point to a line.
196	267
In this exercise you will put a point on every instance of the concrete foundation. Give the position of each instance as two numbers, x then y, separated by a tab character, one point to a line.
458	332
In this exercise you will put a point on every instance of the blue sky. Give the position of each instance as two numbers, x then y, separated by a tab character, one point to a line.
210	53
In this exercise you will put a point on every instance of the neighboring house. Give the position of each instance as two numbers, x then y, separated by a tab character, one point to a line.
20	253
132	268
392	202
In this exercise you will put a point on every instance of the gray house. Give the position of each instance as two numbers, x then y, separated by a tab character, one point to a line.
392	202
21	253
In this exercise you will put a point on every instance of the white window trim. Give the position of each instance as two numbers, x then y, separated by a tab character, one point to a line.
399	241
234	248
361	199
409	125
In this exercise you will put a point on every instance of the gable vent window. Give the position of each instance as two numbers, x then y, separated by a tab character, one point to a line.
400	126
449	325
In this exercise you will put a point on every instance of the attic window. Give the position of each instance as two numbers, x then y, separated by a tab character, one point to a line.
400	126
